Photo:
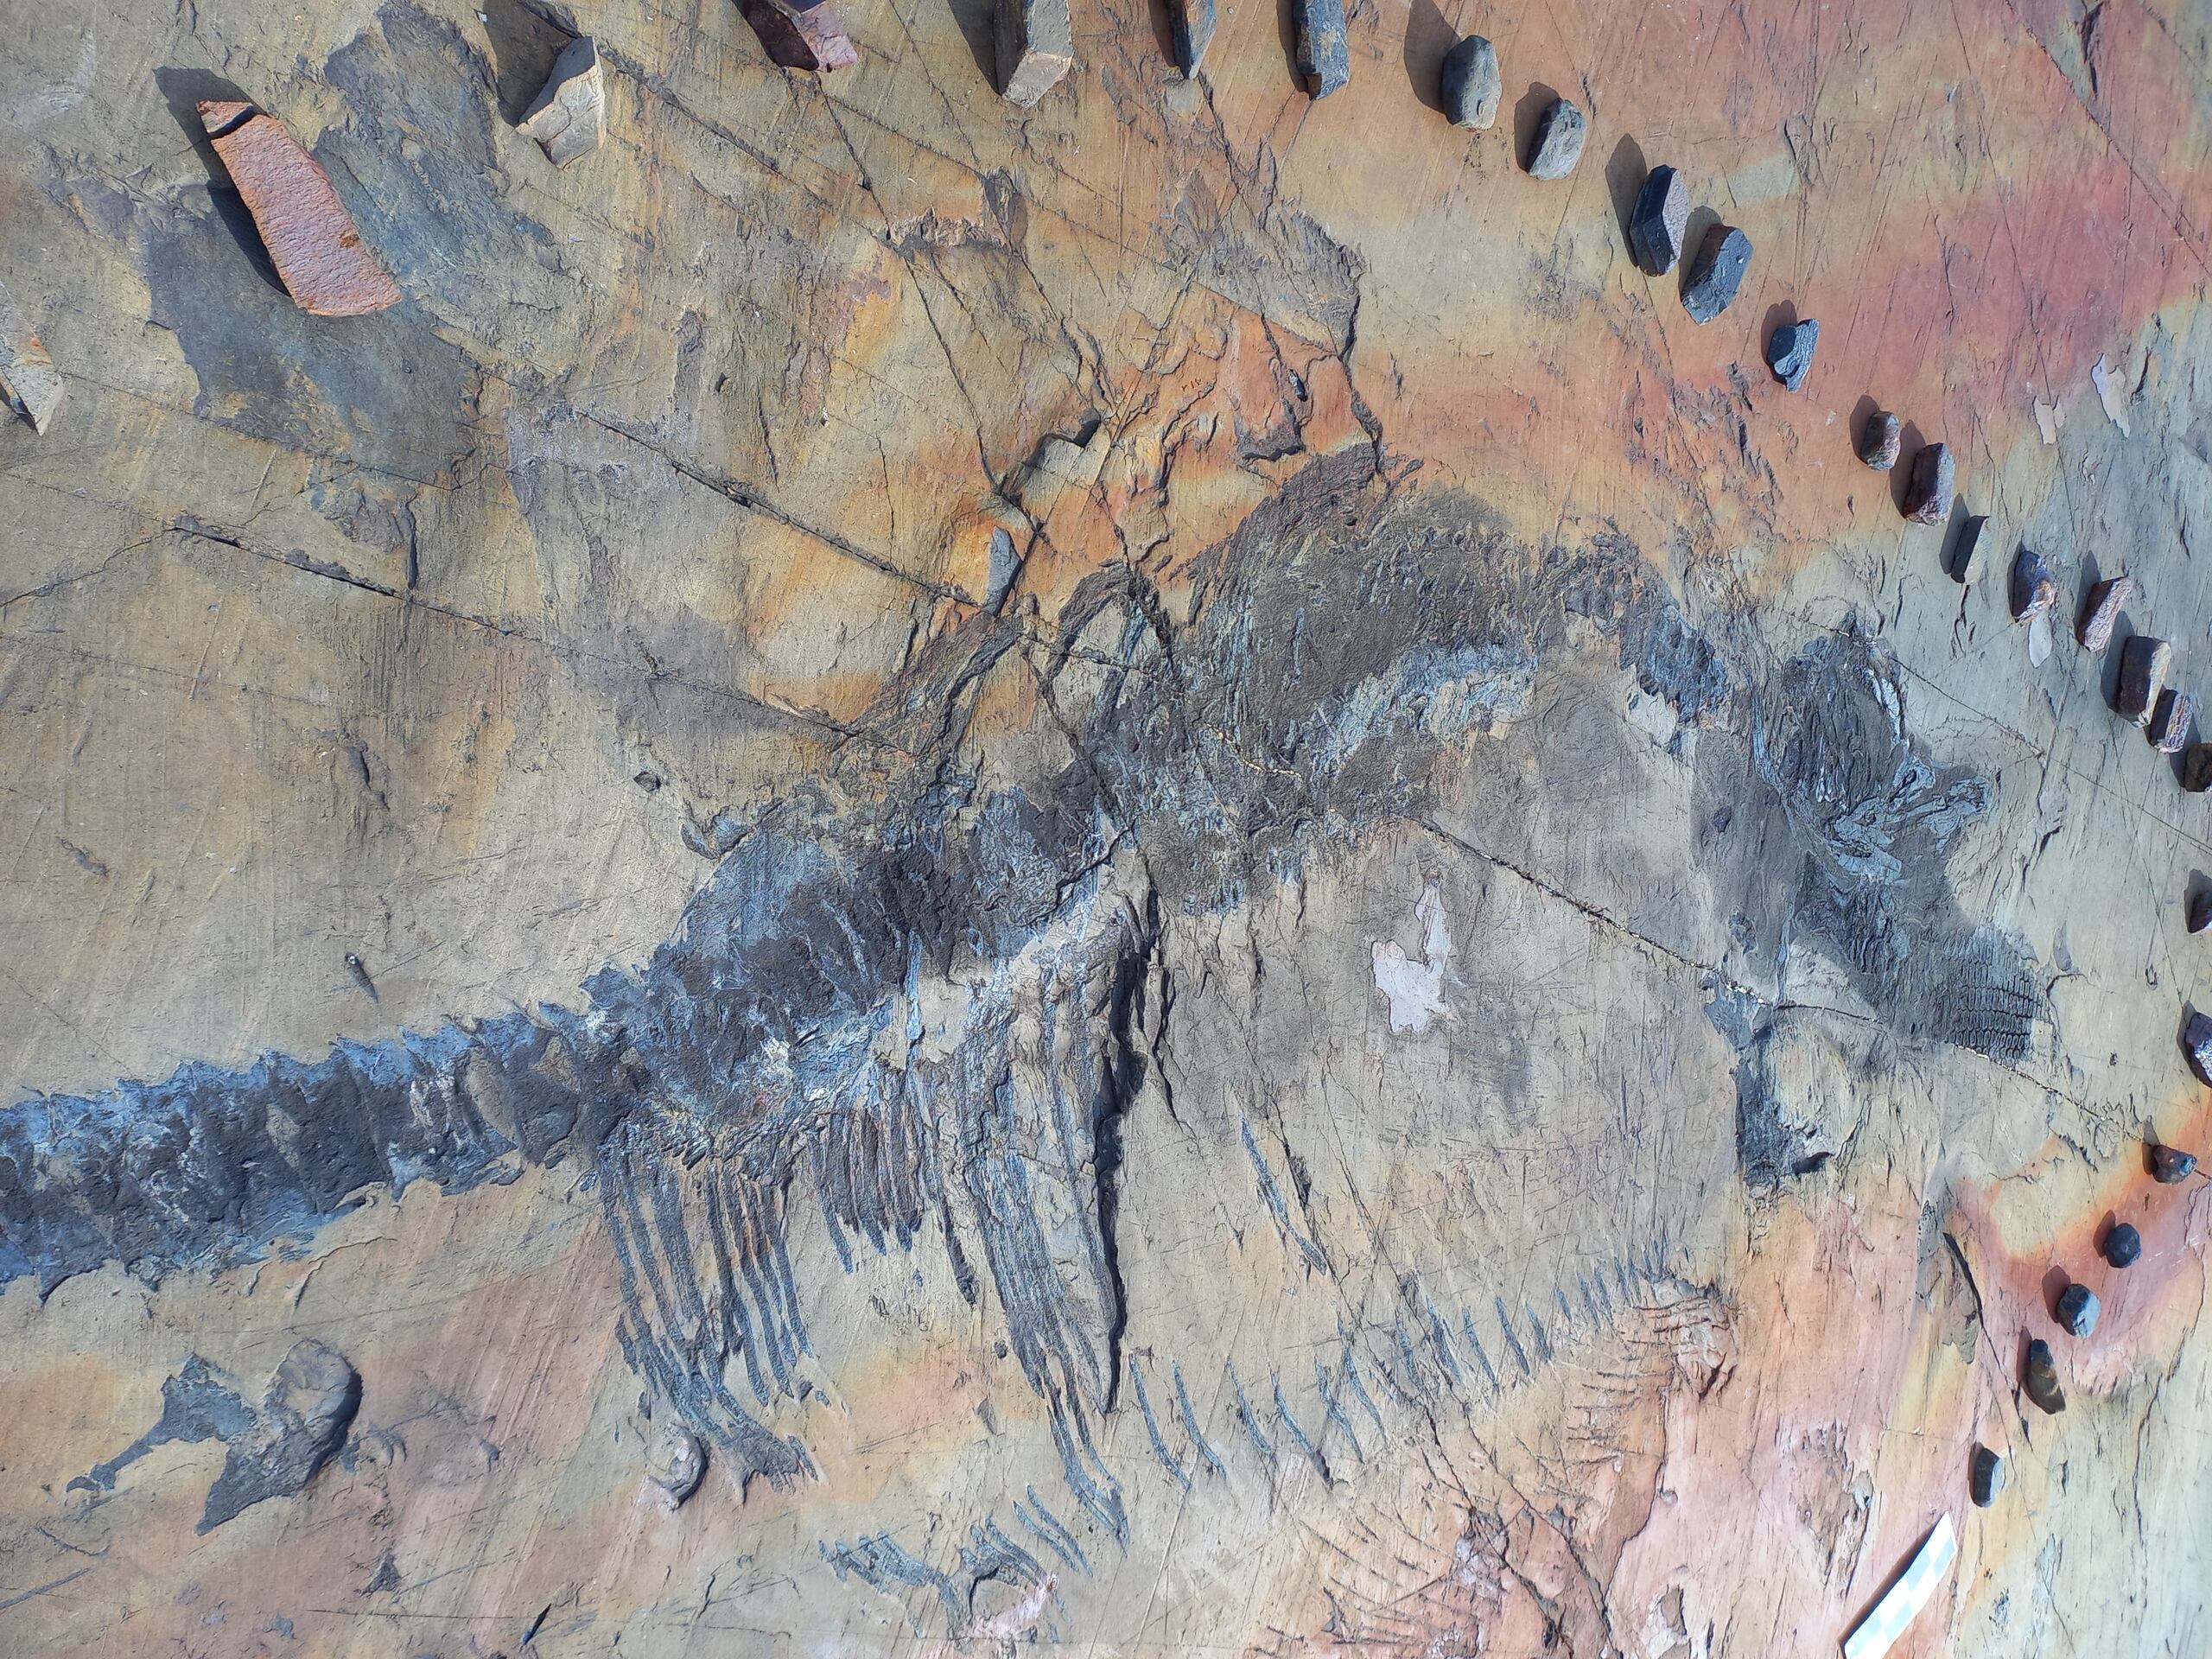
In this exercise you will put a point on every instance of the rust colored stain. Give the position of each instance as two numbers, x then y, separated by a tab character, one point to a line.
326	268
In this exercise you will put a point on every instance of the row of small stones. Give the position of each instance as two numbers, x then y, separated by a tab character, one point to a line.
1470	90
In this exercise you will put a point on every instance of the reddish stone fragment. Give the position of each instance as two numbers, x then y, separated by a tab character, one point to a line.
326	268
2170	721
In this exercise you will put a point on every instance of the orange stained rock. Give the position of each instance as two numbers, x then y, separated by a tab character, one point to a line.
326	268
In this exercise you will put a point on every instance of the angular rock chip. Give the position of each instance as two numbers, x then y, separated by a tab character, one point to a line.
1193	28
28	377
1986	1478
1968	549
2040	1378
2034	589
2171	1166
568	118
2170	720
2107	600
677	1463
810	37
1324	53
1717	273
2143	664
1559	132
1880	440
2197	769
1659	221
2123	1245
2196	1043
2200	912
1934	481
1469	84
2078	1308
326	268
1789	351
1036	45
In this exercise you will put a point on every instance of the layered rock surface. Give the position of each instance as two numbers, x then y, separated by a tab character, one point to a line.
1189	911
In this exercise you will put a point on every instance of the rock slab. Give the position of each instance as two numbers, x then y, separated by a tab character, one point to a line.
1717	273
2144	663
2107	600
1789	351
1935	482
568	117
326	267
1881	440
1559	132
1036	48
1659	222
1324	53
1468	83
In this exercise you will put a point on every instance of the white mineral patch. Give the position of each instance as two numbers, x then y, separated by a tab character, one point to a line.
1416	988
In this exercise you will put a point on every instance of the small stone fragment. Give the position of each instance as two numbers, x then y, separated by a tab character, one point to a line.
1559	132
1967	550
2200	912
677	1463
2040	1378
1878	444
2197	769
2123	1245
2196	1043
2039	638
1662	219
28	377
1986	1479
2171	1166
2078	1308
1324	53
1036	43
1717	273
1934	481
2034	589
2107	600
1193	27
806	37
2143	664
1469	84
570	115
2170	720
326	268
1789	351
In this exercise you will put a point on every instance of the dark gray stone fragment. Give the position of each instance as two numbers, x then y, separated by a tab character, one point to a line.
2196	1043
1193	27
1559	132
2107	600
2171	1166
1468	83
2123	1245
1717	273
1935	482
1968	549
2143	664
1881	440
2040	1378
2170	720
305	1415
1789	351
1324	54
2200	912
2034	589
1661	218
2078	1308
1986	1479
2197	769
